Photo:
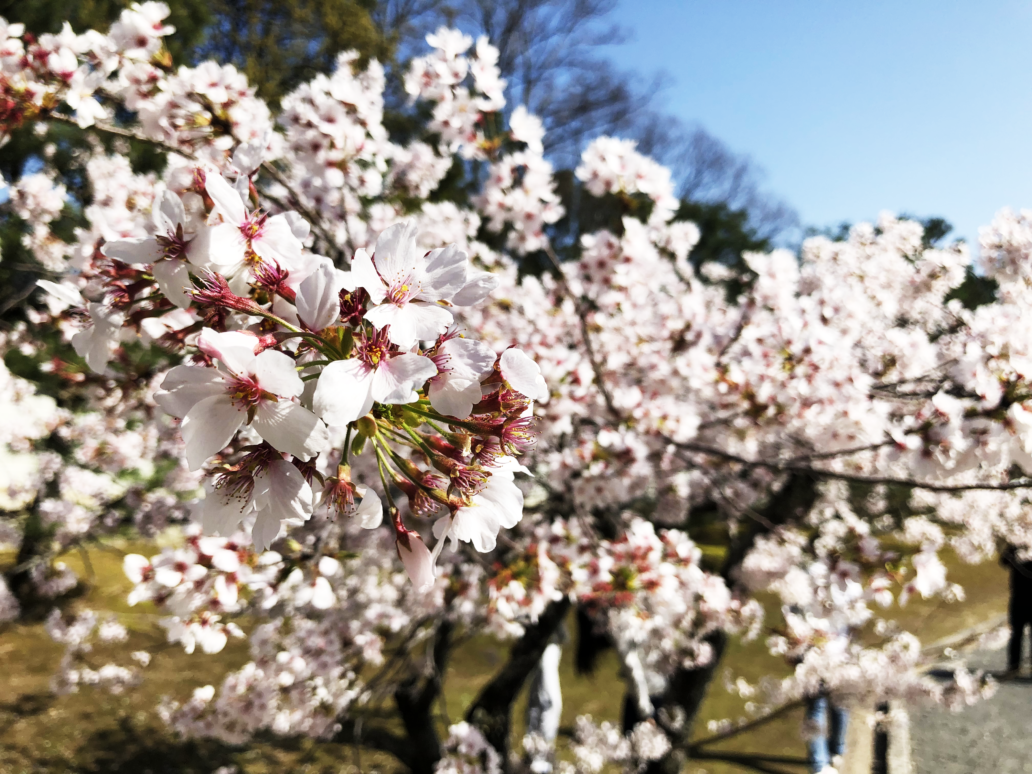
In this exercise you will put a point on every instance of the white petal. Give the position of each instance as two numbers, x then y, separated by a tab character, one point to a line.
220	513
280	492
186	386
226	247
235	349
523	374
322	594
446	268
277	242
507	498
478	524
415	556
365	276
133	566
397	254
343	393
468	358
318	297
291	428
410	322
198	248
93	344
227	561
248	156
212	640
209	427
135	251
300	227
476	289
396	379
168	577
226	199
265	530
329	566
173	278
276	373
169	212
454	397
370	510
66	294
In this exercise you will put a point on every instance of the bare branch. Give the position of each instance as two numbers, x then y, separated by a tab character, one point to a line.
793	467
741	729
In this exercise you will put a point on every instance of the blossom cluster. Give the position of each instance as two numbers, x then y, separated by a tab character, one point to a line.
264	317
335	339
647	590
79	637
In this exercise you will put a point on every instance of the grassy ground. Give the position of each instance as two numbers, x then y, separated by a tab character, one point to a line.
95	732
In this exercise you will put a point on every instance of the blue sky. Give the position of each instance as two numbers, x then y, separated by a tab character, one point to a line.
854	107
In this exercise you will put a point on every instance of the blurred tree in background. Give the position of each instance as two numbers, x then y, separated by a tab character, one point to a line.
554	54
281	44
190	18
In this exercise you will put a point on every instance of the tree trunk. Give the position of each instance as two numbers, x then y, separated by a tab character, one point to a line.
415	700
678	706
544	709
492	710
33	546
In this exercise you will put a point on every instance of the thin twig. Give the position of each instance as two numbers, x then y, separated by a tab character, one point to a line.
17	298
589	349
312	217
120	132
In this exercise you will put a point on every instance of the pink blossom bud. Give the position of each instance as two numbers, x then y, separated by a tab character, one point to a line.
416	557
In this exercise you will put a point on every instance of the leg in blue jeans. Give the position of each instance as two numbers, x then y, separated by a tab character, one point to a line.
818	755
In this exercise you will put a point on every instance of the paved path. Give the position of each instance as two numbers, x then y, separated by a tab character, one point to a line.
992	736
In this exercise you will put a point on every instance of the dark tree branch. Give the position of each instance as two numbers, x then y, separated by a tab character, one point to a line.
589	349
313	218
789	466
354	731
415	699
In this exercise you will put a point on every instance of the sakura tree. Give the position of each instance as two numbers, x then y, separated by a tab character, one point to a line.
299	324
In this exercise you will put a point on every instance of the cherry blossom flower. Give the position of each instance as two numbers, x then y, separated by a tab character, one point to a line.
406	284
370	511
527	128
498	505
523	374
416	558
277	493
94	343
169	251
318	296
347	389
461	365
242	235
250	389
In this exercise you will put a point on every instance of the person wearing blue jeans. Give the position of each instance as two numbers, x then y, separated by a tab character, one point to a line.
828	721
